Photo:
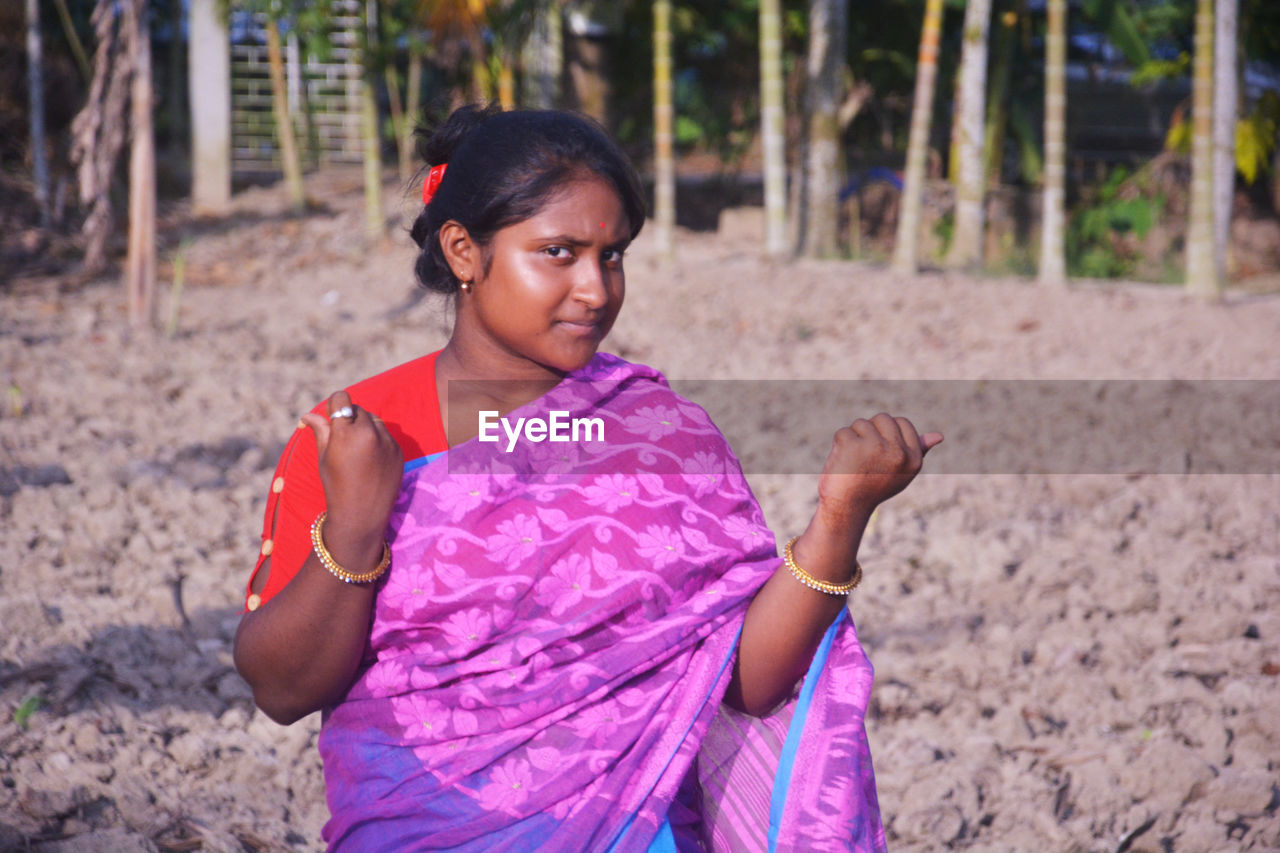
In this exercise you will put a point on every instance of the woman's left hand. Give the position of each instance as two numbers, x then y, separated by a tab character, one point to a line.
871	461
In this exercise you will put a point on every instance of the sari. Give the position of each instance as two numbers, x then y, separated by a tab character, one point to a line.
550	647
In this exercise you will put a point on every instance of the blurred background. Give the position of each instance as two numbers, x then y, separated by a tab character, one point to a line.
805	109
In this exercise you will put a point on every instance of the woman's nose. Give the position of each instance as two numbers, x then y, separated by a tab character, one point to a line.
592	285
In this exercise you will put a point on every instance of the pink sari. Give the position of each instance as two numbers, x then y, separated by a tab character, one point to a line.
550	648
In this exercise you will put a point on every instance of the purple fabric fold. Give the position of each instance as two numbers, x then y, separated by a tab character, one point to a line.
550	647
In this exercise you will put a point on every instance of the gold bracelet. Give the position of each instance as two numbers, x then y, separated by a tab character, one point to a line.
317	542
813	583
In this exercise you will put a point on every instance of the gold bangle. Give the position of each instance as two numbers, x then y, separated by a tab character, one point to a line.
812	582
317	542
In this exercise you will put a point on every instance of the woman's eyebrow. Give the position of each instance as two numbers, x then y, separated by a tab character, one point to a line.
569	239
561	238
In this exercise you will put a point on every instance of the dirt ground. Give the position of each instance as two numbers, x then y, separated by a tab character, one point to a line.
1079	662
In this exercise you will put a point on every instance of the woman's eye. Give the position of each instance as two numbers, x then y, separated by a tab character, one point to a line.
557	251
613	257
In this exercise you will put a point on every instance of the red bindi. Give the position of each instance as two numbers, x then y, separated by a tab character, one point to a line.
601	224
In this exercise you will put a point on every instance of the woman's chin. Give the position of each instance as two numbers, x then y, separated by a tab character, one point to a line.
577	357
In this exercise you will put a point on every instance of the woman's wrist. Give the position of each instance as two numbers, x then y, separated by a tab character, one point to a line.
356	548
849	516
825	554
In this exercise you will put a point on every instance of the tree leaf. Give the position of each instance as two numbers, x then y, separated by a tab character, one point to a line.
1249	150
1178	139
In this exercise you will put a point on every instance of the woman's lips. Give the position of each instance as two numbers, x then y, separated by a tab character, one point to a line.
584	327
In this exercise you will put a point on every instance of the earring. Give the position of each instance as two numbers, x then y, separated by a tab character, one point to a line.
465	287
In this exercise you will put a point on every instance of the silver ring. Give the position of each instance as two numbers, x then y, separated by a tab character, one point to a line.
344	412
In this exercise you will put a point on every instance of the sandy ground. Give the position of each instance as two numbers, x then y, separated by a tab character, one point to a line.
1084	662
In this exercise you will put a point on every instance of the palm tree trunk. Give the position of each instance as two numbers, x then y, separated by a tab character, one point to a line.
140	263
412	99
209	79
906	245
966	246
544	58
506	82
773	129
371	143
371	140
1202	274
172	90
35	102
664	168
1053	262
1224	129
284	124
827	25
998	103
399	118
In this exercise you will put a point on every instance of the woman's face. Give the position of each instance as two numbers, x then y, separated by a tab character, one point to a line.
553	283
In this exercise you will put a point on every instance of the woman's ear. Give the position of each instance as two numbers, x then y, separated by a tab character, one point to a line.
460	252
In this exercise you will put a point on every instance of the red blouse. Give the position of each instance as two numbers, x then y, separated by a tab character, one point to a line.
406	400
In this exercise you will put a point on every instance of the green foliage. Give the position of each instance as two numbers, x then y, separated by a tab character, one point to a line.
1256	136
1099	239
1166	25
1030	156
688	131
1178	138
1113	18
945	230
1260	29
1156	70
22	714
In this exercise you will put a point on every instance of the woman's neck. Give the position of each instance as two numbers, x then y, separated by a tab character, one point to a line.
471	379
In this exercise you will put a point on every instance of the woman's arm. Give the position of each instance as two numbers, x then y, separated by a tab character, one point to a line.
870	462
299	651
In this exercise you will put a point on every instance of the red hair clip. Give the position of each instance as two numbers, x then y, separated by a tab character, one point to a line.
432	183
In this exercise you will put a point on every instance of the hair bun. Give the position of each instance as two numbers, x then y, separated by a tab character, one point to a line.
436	147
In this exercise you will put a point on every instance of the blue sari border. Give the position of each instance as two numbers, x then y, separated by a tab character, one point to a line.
786	760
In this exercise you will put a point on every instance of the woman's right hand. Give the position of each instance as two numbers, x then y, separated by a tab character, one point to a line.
300	650
361	467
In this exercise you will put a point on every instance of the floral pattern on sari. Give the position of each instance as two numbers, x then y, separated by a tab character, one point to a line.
550	647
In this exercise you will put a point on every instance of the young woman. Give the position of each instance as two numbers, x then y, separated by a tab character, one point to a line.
534	646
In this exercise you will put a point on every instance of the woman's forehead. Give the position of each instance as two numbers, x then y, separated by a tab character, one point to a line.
588	206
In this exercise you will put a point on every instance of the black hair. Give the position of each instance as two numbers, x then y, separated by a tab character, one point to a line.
503	167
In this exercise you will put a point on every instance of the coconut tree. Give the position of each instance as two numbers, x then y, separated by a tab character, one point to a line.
98	130
399	30
120	98
290	162
773	132
370	139
966	244
543	57
1224	128
591	35
35	101
140	263
664	190
209	77
1053	263
998	97
826	72
1202	272
906	245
